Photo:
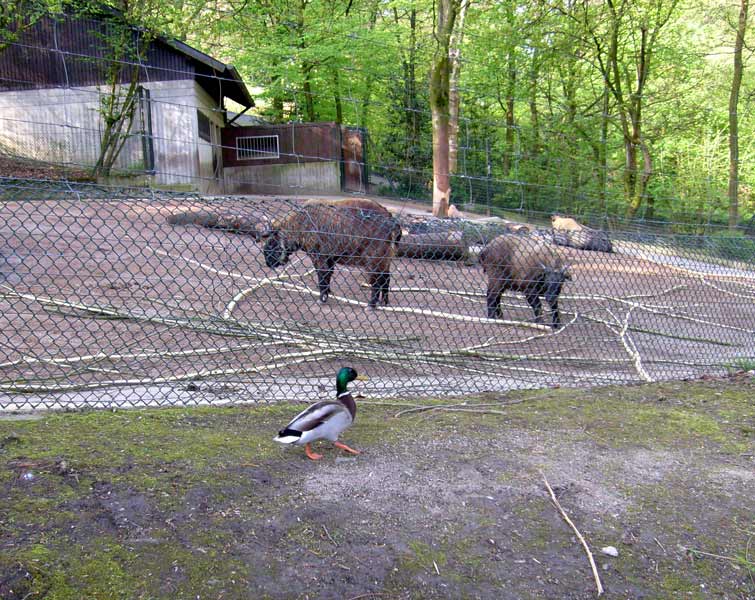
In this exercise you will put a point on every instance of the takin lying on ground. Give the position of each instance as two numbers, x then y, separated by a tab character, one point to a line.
569	232
527	265
353	231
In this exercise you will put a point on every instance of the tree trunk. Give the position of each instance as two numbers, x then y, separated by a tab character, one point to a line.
508	151
277	105
638	182
603	153
337	97
309	101
534	116
367	98
411	114
439	90
118	106
736	83
630	177
454	99
439	109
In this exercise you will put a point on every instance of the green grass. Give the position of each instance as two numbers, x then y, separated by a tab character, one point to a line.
164	455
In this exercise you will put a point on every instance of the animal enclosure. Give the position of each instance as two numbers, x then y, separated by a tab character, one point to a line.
109	297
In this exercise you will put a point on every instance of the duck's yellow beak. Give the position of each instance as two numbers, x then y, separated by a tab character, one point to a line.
362	378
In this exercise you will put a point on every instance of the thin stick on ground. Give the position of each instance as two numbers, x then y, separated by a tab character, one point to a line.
598	584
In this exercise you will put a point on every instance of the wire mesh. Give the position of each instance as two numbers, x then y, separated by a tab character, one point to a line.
115	297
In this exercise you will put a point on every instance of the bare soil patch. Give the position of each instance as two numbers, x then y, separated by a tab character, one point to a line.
105	303
199	502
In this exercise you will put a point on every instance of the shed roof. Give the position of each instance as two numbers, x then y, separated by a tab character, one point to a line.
62	50
214	73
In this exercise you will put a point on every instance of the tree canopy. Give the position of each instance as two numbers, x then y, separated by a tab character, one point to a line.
616	108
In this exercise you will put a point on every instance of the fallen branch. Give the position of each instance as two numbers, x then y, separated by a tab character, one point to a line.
228	312
710	554
419	311
723	291
297	358
461	407
203	266
632	349
598	584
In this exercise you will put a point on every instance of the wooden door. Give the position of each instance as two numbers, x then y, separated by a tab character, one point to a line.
354	166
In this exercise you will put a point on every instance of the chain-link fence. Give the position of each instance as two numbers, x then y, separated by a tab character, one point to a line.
123	297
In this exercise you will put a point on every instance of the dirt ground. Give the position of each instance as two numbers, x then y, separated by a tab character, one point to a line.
200	503
104	303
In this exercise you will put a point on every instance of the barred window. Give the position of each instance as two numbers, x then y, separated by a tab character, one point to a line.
203	122
258	147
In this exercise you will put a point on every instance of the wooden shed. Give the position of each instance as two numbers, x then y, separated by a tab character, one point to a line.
51	89
292	157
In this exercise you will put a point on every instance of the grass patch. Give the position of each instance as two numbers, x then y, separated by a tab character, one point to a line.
225	504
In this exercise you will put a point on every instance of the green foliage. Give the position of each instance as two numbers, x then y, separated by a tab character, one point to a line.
543	126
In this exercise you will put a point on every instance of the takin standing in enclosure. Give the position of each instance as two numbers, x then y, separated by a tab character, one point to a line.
353	231
526	265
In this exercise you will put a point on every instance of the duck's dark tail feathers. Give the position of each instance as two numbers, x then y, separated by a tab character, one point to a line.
288	436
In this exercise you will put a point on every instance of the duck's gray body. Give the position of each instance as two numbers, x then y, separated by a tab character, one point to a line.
324	420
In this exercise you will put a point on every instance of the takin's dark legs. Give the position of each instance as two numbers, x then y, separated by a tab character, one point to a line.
537	307
556	323
379	283
533	300
384	283
324	268
494	300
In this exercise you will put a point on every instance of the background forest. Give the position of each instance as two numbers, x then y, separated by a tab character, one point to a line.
605	109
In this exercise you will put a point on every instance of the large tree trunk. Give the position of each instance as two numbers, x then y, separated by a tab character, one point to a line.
367	98
630	177
736	83
309	100
508	151
603	153
454	99
306	66
439	90
337	97
638	181
411	113
534	115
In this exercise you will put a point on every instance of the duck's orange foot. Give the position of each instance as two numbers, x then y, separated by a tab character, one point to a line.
346	448
311	455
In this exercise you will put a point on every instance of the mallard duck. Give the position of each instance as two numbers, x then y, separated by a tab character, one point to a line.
324	420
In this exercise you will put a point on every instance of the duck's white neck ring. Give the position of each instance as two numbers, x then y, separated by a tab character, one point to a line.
343	394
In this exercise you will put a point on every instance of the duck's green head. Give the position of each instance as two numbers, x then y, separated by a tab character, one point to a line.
344	377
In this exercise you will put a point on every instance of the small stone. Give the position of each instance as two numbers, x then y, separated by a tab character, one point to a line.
28	476
610	551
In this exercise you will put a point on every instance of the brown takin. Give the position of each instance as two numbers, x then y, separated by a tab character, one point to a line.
526	265
569	232
354	231
565	223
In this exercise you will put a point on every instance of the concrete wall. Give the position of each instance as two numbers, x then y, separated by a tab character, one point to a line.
58	125
181	157
65	126
323	177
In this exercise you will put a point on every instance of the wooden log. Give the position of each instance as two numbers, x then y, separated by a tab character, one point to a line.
441	245
233	223
583	239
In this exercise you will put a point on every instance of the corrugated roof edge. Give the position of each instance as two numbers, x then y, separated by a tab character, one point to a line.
227	71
